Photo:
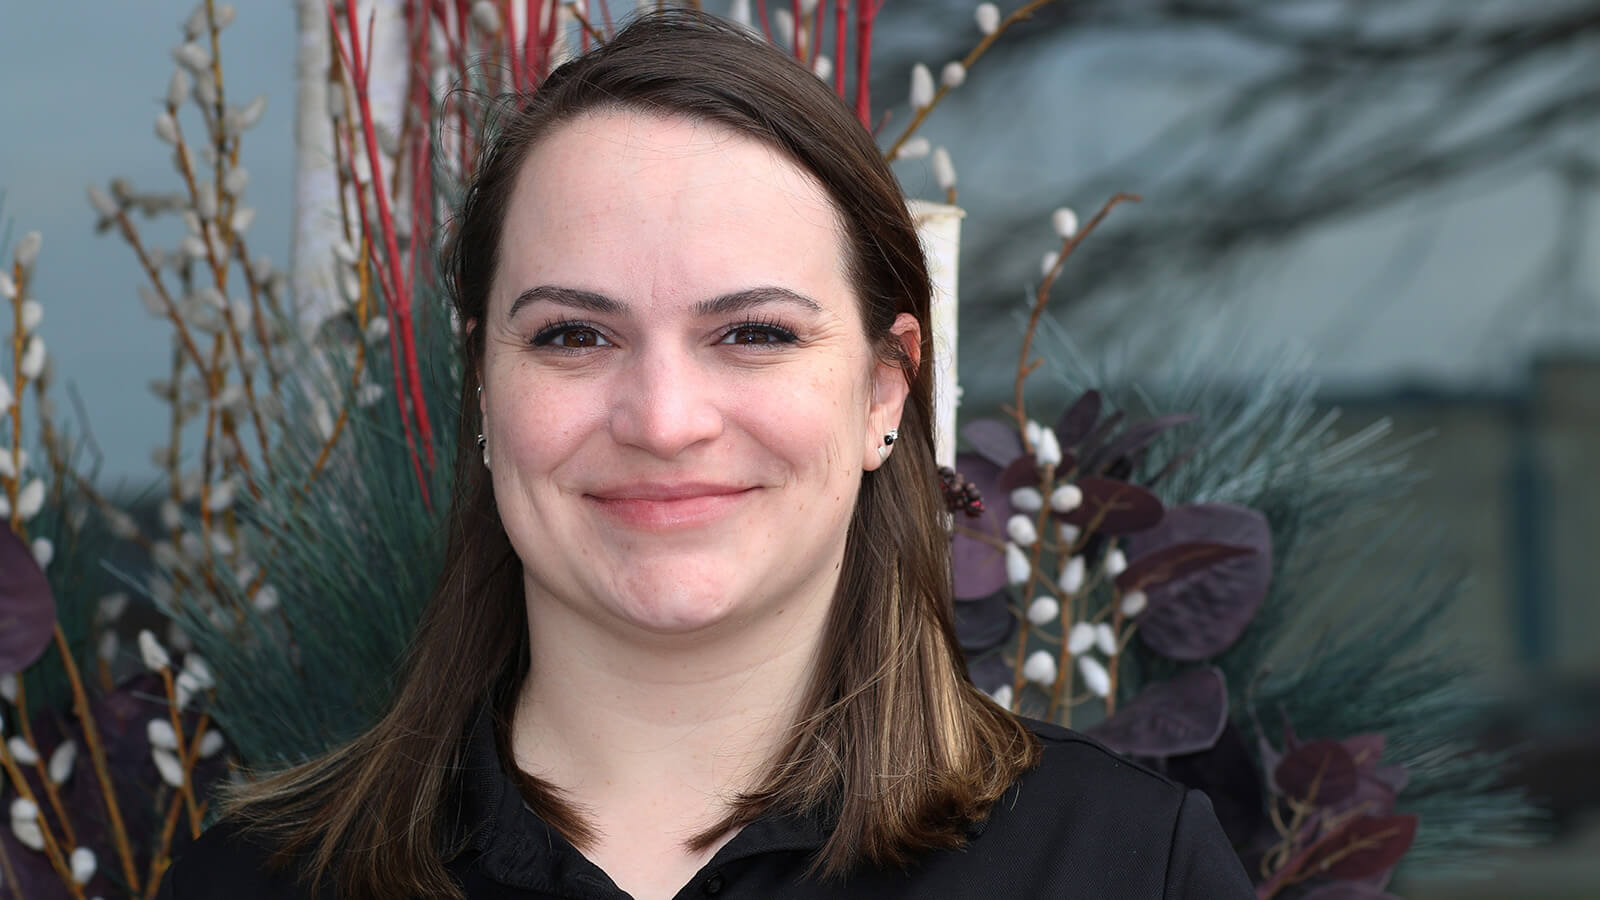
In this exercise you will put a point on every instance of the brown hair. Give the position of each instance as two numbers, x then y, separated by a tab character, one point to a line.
893	742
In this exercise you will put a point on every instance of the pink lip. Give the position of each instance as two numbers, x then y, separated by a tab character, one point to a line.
661	506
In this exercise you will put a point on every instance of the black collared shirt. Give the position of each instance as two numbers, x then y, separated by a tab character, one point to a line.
1086	823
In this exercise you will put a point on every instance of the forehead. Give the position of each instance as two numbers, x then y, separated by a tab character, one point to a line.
645	207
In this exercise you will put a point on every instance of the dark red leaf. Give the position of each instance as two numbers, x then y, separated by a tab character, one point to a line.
1079	419
1363	847
1196	617
1022	472
1100	435
1319	773
994	440
27	607
1365	749
1177	561
1135	439
1112	507
1183	714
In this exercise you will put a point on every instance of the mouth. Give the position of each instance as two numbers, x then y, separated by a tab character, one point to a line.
668	507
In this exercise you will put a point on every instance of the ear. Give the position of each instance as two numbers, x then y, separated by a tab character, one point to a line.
471	324
890	389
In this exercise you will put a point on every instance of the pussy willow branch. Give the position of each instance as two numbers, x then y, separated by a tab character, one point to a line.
1025	366
19	277
23	720
364	269
52	848
972	56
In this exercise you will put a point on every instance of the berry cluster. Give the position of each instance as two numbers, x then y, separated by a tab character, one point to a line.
960	495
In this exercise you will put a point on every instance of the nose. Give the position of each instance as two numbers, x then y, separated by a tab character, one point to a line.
664	403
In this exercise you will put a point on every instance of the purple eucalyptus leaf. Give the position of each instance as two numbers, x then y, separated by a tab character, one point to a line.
1396	777
1172	465
1184	714
1364	847
977	560
989	672
1348	890
1021	472
1115	508
1135	439
1102	432
1366	750
994	440
1198	616
1173	562
985	623
1079	419
1318	773
27	607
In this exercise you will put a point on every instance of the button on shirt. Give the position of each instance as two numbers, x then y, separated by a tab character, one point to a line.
1086	823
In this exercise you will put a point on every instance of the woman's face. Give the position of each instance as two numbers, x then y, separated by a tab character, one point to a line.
679	396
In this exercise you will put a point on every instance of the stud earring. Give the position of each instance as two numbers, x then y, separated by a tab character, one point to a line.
888	442
483	442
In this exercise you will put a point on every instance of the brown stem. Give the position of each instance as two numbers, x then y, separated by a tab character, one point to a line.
52	849
39	764
13	483
91	737
177	732
10	874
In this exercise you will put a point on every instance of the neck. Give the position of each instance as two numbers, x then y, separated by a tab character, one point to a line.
617	717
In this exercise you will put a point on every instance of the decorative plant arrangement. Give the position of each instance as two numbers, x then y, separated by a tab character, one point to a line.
1104	579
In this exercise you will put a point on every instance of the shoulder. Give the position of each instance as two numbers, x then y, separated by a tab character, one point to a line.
227	861
1078	767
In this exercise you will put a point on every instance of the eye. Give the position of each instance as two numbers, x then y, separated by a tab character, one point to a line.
569	336
758	334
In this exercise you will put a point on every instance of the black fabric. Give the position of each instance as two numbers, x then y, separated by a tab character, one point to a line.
1086	823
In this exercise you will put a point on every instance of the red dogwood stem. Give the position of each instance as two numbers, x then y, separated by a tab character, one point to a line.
866	13
841	14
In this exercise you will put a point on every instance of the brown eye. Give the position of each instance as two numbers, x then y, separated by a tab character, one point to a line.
751	336
580	337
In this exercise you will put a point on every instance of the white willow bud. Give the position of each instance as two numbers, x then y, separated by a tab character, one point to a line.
27	252
28	833
242	219
186	687
1065	222
377	329
914	148
83	865
266	599
953	75
108	647
32	314
152	301
23	809
1020	529
160	734
169	767
194	247
245	118
485	17
1017	565
1040	668
1027	499
205	201
1031	431
1043	610
113	605
224	17
62	760
1047	263
222	495
192	56
33	357
1048	451
6	399
102	202
211	744
8	687
8	466
30	499
944	171
823	67
1066	498
150	650
8	288
335	100
234	182
1105	639
921	87
22	751
199	670
1095	676
988	16
739	13
1072	575
1116	563
1134	602
165	555
43	551
1080	638
783	27
195	25
122	525
178	89
205	89
1002	695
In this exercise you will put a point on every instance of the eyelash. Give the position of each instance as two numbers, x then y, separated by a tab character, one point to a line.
777	334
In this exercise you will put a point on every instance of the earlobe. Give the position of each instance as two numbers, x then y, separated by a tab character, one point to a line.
891	386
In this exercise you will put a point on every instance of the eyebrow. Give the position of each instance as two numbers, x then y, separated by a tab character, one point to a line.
716	306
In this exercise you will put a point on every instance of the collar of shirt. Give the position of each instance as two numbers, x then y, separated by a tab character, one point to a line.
515	847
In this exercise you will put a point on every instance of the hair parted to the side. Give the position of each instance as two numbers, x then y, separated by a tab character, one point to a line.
892	741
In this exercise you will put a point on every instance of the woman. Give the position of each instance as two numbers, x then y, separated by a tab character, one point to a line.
694	634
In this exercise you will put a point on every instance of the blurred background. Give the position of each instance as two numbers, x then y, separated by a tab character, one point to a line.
1403	192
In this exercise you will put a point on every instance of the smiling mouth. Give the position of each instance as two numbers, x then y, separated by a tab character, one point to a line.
669	509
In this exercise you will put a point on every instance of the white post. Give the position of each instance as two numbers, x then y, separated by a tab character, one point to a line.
939	227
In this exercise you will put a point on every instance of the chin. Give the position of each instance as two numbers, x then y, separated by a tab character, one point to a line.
670	607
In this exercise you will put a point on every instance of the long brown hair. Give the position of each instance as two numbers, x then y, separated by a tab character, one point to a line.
893	743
